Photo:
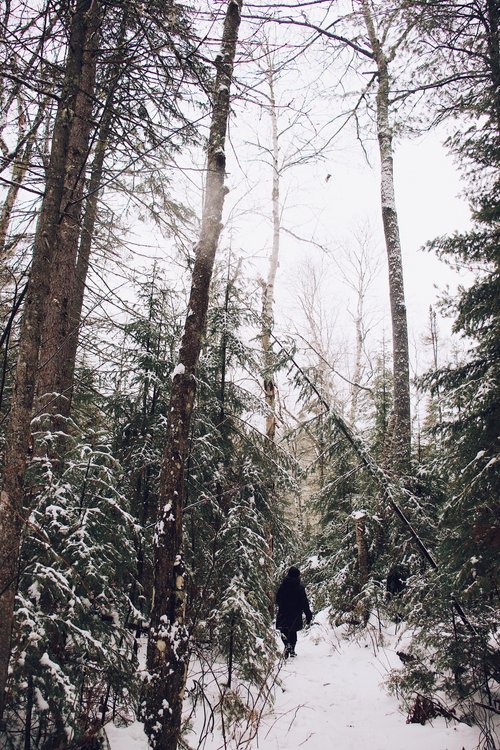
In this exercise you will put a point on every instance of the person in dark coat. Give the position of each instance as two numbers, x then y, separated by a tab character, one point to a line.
291	600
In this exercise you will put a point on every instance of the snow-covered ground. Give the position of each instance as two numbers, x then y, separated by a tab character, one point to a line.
332	695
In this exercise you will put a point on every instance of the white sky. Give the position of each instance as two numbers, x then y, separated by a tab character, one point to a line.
327	213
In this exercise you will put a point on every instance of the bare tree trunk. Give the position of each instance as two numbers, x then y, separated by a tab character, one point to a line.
363	563
494	55
12	514
69	345
168	638
401	426
29	713
434	340
268	287
56	366
359	278
5	338
362	550
358	323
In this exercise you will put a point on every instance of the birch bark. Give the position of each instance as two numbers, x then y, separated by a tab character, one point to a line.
168	643
359	334
268	289
401	419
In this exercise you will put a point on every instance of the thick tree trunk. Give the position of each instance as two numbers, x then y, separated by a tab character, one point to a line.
493	14
56	359
12	514
401	423
69	345
168	638
268	290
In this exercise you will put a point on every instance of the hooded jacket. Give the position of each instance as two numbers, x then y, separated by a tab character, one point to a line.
291	600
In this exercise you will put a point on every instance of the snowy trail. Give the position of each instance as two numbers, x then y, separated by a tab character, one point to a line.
332	697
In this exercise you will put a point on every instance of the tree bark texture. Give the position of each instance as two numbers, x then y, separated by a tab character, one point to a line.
12	514
56	366
493	28
168	638
356	377
268	289
401	423
69	345
363	564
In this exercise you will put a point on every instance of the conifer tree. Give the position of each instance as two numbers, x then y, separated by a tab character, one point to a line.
77	67
71	643
231	512
53	300
168	641
464	467
242	620
138	407
467	465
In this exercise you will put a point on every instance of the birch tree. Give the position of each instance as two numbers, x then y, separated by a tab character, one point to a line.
400	432
167	655
268	285
317	27
358	266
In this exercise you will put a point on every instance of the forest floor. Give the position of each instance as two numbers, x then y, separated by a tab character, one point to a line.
332	695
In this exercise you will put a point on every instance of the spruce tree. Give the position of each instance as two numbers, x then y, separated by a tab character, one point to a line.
452	649
71	644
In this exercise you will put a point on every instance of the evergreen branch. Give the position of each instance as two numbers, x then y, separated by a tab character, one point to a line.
390	488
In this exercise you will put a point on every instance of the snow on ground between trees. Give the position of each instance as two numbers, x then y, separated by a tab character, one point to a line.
332	694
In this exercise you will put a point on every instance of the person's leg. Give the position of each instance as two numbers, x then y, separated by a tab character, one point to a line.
284	638
292	640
